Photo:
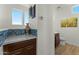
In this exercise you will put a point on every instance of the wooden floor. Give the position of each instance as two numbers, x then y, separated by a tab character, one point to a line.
67	50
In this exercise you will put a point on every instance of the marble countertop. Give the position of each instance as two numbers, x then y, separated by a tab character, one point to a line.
14	39
3	29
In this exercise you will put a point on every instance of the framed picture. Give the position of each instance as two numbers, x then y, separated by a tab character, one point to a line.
64	23
70	22
32	11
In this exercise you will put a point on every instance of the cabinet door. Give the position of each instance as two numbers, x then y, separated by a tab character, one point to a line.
27	47
14	46
30	50
15	52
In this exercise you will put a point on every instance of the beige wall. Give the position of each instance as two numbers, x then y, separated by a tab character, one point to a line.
6	20
5	15
2	16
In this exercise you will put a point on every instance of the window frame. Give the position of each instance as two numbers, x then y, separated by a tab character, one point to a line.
17	9
74	6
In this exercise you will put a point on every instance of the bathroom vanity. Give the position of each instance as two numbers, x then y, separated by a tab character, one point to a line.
17	42
20	45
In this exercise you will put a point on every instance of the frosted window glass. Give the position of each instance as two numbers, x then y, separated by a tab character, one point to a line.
75	9
17	17
26	18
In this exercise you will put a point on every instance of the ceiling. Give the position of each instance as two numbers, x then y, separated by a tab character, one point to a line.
27	5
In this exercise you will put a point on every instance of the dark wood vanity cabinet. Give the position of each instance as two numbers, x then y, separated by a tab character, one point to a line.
27	47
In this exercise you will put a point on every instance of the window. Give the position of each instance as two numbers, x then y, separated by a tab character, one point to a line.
75	9
17	17
26	18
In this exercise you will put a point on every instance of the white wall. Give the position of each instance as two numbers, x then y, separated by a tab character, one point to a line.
71	34
5	15
45	42
33	23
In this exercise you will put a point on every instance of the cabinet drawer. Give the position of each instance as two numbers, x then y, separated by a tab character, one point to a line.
15	52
